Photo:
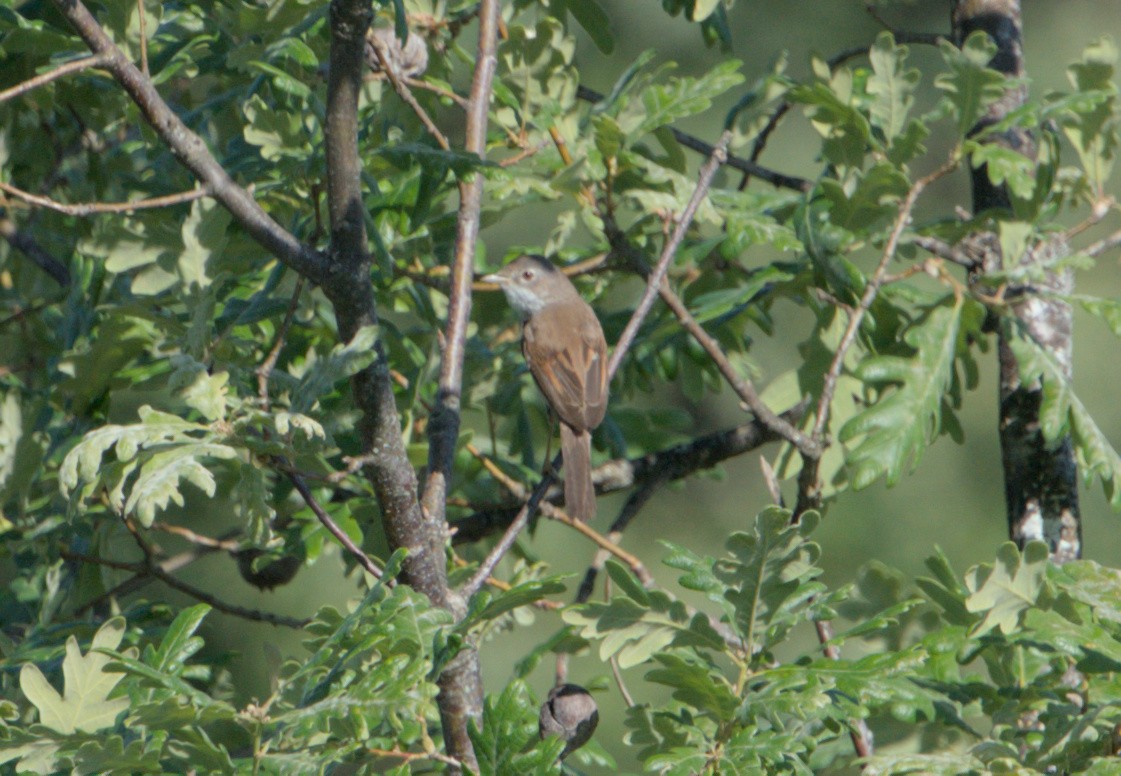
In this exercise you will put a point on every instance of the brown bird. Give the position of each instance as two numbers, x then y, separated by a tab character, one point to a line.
571	713
564	347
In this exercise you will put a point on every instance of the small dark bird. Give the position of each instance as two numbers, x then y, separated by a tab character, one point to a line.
266	574
566	352
571	713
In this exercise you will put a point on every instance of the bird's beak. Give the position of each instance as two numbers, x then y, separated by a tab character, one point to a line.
498	280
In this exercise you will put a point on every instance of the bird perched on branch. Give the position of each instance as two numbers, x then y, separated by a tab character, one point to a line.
570	712
566	352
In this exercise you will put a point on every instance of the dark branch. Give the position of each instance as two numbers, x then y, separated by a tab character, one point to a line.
673	463
700	146
30	247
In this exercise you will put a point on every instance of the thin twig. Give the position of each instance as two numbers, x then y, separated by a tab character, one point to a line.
555	513
418	83
201	540
742	386
91	208
390	69
415	756
657	274
143	39
809	488
944	250
75	66
1101	246
333	527
735	162
154	569
266	367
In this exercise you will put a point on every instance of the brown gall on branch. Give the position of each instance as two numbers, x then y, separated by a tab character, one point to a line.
191	151
391	60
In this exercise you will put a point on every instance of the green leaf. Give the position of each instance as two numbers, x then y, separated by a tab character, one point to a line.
596	23
488	607
179	643
1097	586
843	127
343	361
1003	591
637	623
903	421
970	86
702	9
1091	125
160	475
110	755
506	741
1004	166
769	577
892	85
681	97
1061	411
1108	310
697	685
84	705
205	235
279	134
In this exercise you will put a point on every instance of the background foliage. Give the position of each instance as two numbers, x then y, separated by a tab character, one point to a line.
133	423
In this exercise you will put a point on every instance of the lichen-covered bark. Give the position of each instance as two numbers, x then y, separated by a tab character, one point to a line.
1040	477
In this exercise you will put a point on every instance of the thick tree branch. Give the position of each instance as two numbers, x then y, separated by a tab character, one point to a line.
407	523
461	691
1040	475
191	151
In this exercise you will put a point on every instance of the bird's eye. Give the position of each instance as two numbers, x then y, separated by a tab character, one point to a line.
527	274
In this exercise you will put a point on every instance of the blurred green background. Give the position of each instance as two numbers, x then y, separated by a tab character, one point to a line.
954	500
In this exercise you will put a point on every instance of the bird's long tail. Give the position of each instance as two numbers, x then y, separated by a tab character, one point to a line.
579	493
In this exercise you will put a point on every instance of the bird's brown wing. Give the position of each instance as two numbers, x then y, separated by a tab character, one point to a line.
567	355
